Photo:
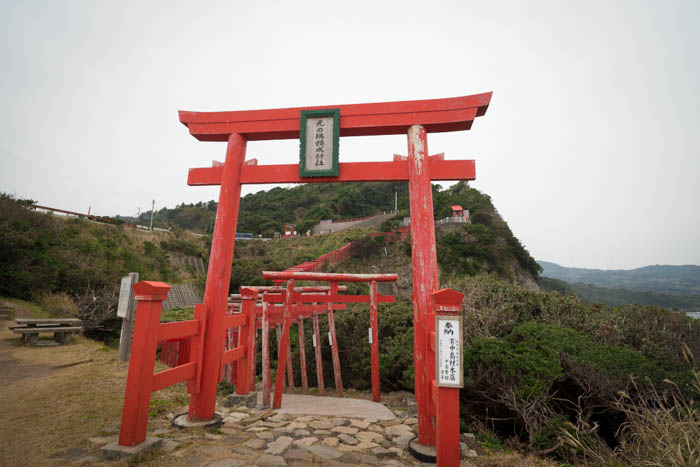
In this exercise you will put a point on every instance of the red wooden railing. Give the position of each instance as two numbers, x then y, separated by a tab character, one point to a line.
341	254
149	331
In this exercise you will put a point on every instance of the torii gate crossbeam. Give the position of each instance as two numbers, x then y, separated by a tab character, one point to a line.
413	118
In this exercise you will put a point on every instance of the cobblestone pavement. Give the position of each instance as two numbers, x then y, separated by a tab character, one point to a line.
267	438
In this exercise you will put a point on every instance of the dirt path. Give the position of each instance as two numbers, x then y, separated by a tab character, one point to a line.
12	367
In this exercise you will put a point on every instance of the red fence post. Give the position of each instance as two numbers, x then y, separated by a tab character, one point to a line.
302	357
284	345
317	353
425	272
374	340
150	296
254	354
334	352
447	302
248	298
265	350
202	404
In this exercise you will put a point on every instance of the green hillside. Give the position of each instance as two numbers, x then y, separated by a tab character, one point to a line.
615	297
485	245
665	279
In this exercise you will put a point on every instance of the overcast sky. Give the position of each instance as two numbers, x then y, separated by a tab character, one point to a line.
590	149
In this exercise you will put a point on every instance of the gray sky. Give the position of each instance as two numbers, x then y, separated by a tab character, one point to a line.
589	149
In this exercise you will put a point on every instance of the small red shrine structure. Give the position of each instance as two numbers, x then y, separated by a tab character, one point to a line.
438	406
289	230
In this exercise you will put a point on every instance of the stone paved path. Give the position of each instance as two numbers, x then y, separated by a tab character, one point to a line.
269	438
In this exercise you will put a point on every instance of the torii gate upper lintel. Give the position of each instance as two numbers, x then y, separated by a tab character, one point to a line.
413	118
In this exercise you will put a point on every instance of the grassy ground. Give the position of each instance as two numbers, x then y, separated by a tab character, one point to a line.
54	398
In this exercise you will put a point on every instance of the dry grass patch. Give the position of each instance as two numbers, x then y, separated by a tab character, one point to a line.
54	398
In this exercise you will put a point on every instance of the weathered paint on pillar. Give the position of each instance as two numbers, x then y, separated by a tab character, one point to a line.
374	345
246	339
334	353
290	368
425	272
254	357
317	353
202	404
302	358
265	350
284	346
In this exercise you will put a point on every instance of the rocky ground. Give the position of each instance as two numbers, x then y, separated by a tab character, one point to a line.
266	438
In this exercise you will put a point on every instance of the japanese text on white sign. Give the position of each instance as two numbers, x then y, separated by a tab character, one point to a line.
319	143
449	351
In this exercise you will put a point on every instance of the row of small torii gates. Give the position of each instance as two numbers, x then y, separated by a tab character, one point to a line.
438	406
307	302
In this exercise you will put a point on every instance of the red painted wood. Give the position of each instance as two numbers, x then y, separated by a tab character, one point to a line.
319	360
249	297
202	405
275	298
327	276
290	368
169	352
334	354
139	379
233	355
284	345
265	351
395	171
172	376
183	355
234	321
374	346
430	362
302	358
197	348
425	272
449	114
177	330
254	358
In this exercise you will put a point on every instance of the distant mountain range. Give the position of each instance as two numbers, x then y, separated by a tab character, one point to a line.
684	280
667	286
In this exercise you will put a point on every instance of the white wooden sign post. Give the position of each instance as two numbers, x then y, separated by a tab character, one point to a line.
125	310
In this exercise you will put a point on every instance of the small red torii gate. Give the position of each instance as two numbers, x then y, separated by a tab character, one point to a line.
290	297
413	118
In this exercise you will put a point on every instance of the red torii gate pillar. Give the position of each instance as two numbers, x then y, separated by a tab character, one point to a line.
203	403
425	270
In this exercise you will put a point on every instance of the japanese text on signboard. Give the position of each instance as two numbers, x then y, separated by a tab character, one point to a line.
319	144
449	352
319	133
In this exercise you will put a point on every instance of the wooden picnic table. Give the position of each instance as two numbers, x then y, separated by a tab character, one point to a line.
62	329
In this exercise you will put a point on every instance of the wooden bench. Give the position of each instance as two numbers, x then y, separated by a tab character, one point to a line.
62	329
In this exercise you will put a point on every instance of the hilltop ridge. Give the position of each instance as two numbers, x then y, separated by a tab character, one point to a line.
683	280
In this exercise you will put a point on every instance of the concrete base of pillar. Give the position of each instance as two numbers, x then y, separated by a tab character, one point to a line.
182	422
248	400
422	453
113	451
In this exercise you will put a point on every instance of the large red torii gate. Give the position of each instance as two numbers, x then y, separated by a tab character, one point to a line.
414	118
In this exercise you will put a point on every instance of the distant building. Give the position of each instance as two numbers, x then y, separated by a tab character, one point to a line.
457	211
289	230
459	216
